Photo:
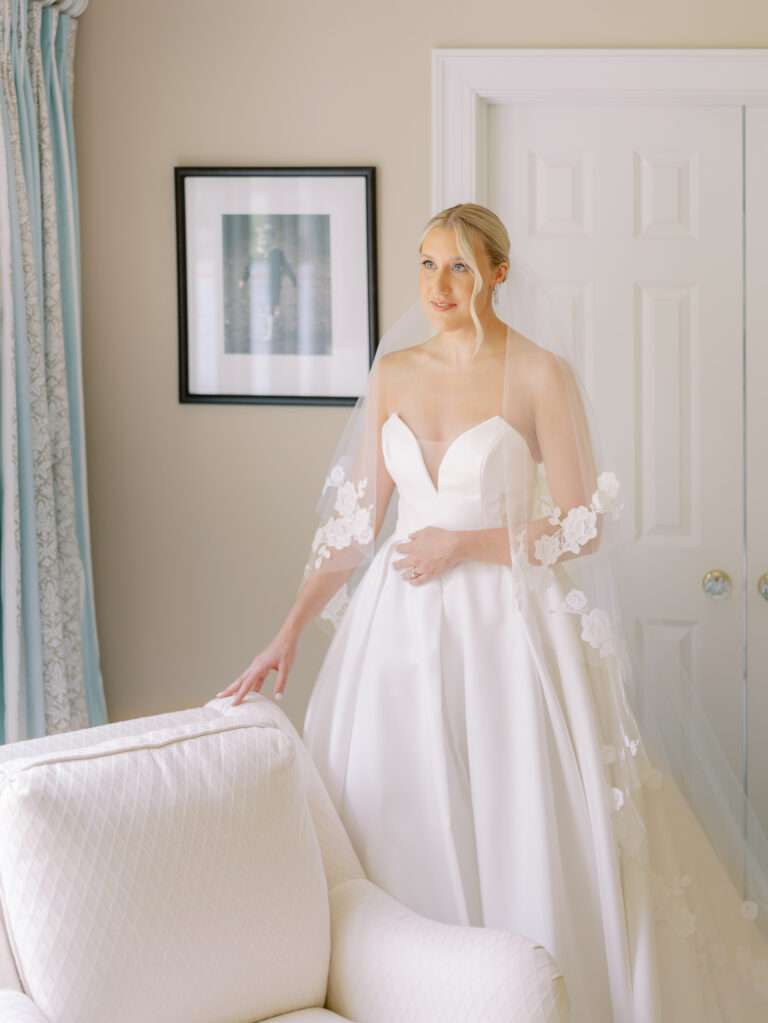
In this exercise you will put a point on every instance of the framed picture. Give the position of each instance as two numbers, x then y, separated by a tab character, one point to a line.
276	283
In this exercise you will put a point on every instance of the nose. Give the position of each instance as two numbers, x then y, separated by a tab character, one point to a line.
441	291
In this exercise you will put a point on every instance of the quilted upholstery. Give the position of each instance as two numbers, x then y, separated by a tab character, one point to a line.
389	963
9	978
339	858
158	860
18	1008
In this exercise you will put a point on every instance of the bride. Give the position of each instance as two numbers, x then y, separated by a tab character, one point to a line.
471	717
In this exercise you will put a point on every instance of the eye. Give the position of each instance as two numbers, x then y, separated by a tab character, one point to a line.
462	266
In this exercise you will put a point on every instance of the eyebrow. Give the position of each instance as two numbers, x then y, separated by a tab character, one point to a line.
461	258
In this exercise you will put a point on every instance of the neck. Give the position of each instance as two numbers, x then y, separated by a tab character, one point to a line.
459	342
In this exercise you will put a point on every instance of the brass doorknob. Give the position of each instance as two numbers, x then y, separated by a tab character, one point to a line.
717	583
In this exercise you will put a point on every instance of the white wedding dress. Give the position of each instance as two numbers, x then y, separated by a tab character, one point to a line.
462	745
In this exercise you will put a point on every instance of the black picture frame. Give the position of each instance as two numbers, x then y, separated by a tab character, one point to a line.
217	340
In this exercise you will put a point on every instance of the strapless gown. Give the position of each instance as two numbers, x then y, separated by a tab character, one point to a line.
466	758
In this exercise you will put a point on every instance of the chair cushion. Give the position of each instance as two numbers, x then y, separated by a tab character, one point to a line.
174	875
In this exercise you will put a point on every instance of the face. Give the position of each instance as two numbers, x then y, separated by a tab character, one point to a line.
446	281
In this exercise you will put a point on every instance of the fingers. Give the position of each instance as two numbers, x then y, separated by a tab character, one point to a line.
423	574
249	682
282	673
233	686
241	694
253	678
404	564
230	688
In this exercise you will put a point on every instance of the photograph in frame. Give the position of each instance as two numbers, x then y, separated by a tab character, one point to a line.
276	284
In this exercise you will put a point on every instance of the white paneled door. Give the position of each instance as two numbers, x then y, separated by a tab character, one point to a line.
641	193
636	213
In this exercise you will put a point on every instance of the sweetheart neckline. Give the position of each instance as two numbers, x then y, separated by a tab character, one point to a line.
436	486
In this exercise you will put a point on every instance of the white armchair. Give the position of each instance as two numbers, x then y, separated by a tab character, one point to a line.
191	866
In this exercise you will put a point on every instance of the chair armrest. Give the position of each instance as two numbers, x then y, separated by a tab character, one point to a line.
16	1007
390	963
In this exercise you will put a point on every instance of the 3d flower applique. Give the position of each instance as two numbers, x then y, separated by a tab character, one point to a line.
547	548
749	910
605	498
596	630
550	510
595	623
576	601
334	477
579	525
632	745
352	523
629	828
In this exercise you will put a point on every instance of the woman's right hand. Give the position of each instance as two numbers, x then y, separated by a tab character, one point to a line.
278	655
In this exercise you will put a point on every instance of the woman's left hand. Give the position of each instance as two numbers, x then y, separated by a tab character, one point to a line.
429	552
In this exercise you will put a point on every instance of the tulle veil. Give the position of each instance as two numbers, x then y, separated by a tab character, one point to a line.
561	511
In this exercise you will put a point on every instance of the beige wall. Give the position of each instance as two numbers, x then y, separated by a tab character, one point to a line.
200	520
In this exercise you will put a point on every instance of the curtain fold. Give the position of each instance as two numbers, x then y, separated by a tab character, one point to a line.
50	677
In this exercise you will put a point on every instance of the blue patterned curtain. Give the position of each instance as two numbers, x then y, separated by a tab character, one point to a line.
50	679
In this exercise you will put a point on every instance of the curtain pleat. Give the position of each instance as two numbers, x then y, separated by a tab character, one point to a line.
50	677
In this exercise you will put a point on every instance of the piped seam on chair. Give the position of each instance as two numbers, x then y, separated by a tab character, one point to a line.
93	753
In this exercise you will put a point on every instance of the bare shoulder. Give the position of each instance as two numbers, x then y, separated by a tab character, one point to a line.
394	371
545	370
404	356
405	360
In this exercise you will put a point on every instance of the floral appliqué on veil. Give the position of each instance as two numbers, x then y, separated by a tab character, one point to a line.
352	522
627	765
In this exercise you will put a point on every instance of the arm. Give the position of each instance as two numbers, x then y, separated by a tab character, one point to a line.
563	436
492	545
390	963
321	585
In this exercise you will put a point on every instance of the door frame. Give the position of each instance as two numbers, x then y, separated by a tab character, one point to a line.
466	81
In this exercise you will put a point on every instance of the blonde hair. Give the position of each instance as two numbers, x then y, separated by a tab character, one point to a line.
471	221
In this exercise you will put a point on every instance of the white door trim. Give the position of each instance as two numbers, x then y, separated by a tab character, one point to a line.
466	81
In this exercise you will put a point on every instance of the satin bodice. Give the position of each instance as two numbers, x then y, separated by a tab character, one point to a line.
470	481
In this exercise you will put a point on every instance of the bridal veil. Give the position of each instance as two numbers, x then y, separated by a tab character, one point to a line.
643	754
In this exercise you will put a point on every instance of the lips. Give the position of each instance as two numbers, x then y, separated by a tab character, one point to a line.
442	307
